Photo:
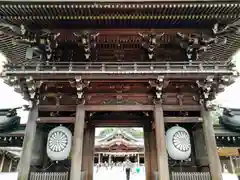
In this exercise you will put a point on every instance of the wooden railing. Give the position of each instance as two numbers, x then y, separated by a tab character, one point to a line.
191	176
48	176
118	67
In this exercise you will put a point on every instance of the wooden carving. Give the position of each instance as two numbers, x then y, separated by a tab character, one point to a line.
120	99
159	85
207	91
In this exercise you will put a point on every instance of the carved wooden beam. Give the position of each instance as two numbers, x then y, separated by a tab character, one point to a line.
94	108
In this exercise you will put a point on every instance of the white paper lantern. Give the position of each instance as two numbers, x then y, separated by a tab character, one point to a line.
178	143
228	176
59	143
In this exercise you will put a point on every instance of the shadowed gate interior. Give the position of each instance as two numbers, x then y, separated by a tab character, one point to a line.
119	119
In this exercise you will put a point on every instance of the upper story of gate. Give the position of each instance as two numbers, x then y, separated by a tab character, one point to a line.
147	36
153	45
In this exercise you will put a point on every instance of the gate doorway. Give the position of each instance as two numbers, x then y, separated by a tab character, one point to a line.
116	143
113	146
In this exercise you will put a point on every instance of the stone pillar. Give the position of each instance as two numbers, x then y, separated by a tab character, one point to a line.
209	136
99	158
28	143
162	157
77	147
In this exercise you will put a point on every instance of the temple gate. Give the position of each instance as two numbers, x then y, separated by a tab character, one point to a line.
157	68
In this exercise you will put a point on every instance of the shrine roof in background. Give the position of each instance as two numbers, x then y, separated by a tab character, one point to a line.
119	133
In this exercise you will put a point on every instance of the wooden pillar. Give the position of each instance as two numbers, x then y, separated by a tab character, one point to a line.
231	165
86	138
138	159
162	157
2	162
28	143
91	152
99	158
213	158
153	151
10	165
147	154
77	148
109	158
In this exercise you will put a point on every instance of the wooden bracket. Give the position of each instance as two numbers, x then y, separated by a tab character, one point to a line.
160	84
80	86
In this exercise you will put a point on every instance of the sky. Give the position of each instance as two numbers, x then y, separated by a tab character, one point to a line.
11	99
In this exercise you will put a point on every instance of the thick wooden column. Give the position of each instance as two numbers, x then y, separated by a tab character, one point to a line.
28	142
214	161
91	152
153	152
77	148
162	157
86	138
147	153
88	151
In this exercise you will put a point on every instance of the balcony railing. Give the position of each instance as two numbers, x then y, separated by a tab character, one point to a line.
119	67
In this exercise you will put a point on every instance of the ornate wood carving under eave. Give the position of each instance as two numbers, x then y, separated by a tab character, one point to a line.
208	89
80	86
120	102
159	85
118	99
118	87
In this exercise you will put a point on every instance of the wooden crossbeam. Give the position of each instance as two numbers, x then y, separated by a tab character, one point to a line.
72	108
